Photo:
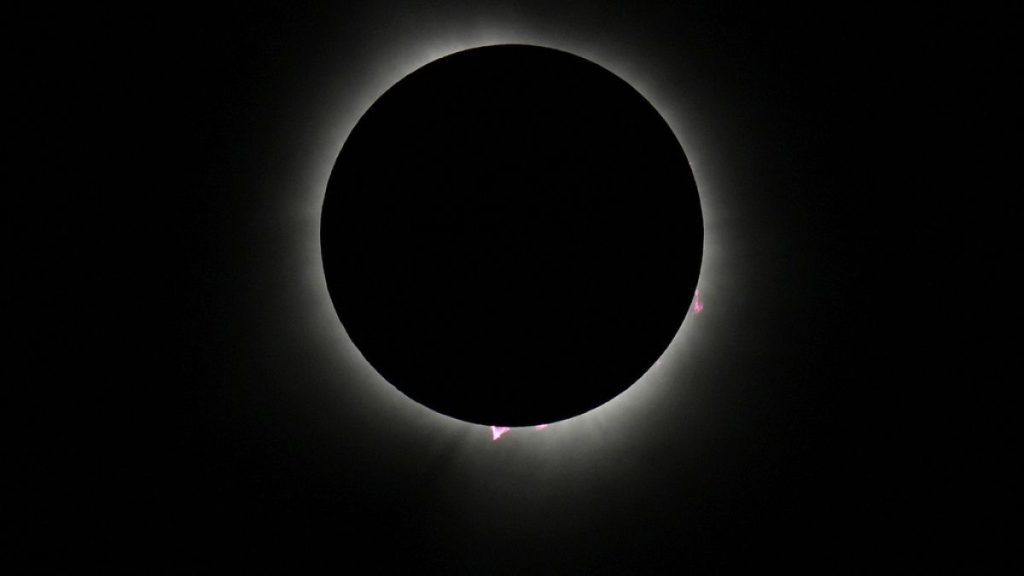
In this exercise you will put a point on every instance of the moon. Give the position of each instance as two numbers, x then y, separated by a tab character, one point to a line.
511	235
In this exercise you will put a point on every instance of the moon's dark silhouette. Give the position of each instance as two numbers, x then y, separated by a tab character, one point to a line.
511	235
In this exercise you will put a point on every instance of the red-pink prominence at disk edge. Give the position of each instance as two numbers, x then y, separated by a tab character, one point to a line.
499	431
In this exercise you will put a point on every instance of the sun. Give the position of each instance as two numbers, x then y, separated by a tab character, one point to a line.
343	110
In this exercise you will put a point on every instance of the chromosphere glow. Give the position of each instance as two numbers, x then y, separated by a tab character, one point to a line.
391	61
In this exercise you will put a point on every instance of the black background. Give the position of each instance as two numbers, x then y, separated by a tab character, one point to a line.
175	417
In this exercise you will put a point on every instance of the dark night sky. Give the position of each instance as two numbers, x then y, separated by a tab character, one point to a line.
183	412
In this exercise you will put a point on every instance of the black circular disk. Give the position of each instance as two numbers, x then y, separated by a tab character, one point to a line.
511	235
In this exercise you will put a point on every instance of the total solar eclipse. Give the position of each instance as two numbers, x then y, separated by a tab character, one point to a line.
511	235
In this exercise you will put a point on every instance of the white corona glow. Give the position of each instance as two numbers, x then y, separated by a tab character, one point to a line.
347	99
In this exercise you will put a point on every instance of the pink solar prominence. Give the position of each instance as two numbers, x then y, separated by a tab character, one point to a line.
499	431
698	306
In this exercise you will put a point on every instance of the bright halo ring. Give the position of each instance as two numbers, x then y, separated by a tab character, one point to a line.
325	332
